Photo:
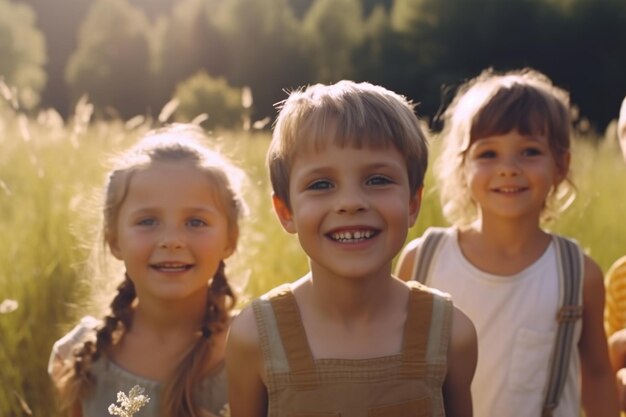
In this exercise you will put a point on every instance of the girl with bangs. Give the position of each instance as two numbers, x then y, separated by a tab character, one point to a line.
503	174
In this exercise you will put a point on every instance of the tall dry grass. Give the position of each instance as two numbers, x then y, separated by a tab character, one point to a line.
50	171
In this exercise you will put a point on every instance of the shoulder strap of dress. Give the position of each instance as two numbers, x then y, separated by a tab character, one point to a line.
570	261
423	262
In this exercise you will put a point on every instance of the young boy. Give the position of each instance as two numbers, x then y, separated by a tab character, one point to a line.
347	163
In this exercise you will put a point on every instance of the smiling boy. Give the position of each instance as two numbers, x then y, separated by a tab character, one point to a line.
347	163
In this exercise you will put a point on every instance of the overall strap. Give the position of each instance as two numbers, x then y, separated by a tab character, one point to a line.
570	261
431	239
426	333
294	340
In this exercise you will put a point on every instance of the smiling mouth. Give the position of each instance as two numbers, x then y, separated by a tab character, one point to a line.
352	236
171	267
510	190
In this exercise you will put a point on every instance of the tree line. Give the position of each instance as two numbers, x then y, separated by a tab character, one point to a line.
129	56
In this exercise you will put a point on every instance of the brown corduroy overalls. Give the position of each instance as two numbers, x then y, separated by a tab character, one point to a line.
401	385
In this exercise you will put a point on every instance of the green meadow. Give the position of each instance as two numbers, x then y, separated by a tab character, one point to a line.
51	173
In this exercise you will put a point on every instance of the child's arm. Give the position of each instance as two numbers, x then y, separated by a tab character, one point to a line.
617	353
615	283
617	349
599	395
244	366
406	260
462	356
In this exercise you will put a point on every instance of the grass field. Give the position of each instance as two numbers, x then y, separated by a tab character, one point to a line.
50	177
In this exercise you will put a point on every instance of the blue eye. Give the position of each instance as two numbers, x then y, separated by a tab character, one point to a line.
378	180
320	185
147	222
196	223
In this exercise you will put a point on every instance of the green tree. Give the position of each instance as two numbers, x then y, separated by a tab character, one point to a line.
593	61
23	52
189	42
335	28
203	94
381	57
112	62
267	50
451	40
59	21
300	7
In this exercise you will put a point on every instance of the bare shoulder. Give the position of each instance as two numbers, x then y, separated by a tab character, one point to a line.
406	260
593	278
244	367
243	328
463	337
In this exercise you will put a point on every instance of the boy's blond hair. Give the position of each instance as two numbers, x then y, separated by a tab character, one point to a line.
493	104
347	114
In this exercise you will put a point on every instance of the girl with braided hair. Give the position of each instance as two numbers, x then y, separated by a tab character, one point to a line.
171	216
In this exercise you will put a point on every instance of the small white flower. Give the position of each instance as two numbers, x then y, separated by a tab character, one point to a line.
130	403
8	306
225	412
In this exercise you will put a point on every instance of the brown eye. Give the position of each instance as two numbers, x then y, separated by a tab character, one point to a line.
531	152
486	154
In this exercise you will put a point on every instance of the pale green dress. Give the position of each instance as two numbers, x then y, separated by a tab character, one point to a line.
111	379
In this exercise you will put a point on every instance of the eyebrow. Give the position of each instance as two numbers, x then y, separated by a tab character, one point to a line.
191	209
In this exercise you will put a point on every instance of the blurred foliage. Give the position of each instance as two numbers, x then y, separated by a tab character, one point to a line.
334	28
266	50
579	44
22	52
112	62
51	174
203	94
189	42
420	48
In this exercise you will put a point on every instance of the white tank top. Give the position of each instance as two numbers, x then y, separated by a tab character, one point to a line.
515	319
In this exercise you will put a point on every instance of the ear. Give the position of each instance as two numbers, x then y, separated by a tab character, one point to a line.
231	245
114	246
414	205
283	212
562	168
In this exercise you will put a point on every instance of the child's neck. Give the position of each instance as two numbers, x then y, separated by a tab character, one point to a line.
348	299
503	248
352	323
172	316
509	236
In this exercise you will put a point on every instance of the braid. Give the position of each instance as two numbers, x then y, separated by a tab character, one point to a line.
217	309
90	350
178	394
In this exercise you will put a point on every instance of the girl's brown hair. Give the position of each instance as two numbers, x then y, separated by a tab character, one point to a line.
176	143
493	104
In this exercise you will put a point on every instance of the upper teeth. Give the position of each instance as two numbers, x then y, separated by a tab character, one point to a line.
365	234
171	266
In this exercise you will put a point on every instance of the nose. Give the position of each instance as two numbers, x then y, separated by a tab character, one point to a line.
171	238
509	167
351	200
